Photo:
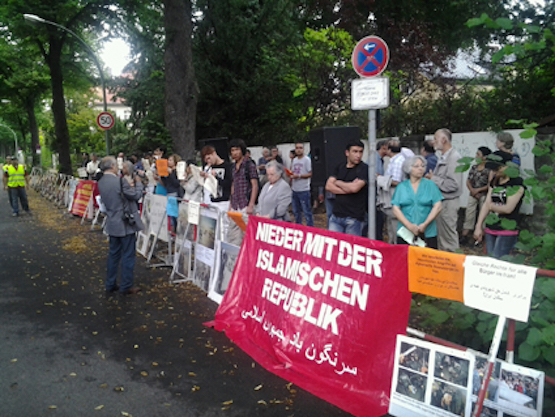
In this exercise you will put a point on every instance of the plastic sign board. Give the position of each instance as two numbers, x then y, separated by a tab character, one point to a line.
105	120
370	93
370	56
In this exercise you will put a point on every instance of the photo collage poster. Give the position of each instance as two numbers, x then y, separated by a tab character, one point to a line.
433	380
155	221
184	248
224	271
513	390
205	248
71	191
158	222
143	236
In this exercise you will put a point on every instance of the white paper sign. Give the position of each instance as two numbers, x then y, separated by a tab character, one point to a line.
194	212
370	93
180	168
498	287
209	182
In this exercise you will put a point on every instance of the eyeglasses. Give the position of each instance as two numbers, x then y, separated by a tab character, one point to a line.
419	166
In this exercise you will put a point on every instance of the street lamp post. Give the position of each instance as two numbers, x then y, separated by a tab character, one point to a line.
14	138
35	19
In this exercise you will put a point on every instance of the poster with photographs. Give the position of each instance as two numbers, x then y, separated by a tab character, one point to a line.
513	390
207	229
206	239
182	223
430	380
142	236
141	244
158	219
183	266
202	275
71	192
224	270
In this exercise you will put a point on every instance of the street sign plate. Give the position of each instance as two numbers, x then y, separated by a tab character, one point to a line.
370	93
370	56
105	120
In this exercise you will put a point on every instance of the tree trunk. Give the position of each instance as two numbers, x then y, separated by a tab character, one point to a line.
181	91
58	104
30	109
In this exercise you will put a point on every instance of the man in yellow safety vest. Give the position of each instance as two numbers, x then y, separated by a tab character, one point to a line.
15	180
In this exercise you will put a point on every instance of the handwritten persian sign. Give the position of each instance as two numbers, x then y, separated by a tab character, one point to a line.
498	287
435	273
320	309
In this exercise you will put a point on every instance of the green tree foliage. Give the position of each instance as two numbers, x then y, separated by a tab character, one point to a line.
55	44
24	80
319	73
523	66
421	34
462	108
240	49
526	58
84	132
143	83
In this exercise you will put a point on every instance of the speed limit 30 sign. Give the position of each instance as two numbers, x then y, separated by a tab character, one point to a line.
105	120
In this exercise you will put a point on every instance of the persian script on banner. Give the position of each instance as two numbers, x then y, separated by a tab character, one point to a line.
320	309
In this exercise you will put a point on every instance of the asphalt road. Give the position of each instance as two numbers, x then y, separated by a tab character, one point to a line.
66	349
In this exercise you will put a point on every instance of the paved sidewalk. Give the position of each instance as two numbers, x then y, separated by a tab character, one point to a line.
68	350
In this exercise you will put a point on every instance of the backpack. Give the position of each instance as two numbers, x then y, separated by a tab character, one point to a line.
248	178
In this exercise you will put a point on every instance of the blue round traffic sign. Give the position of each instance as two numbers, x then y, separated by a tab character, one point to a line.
370	56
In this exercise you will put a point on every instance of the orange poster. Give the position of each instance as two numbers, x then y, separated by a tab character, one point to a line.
162	167
237	217
436	273
82	197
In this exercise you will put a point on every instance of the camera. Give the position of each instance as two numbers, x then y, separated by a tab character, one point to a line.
129	218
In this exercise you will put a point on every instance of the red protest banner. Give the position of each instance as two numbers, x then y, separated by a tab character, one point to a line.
82	195
320	309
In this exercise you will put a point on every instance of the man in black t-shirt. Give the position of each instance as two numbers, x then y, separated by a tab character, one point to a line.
349	182
222	171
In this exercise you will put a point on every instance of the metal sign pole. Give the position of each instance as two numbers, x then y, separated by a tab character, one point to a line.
370	58
372	174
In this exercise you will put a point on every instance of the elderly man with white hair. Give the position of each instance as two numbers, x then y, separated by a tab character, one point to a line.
450	183
120	196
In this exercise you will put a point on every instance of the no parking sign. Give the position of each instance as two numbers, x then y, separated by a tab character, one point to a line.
370	56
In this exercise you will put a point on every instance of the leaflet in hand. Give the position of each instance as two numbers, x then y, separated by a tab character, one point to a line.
180	168
409	237
209	182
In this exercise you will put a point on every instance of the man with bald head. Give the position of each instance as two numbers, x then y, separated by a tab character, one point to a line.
449	183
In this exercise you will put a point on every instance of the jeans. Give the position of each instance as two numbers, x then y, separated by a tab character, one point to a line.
121	249
301	204
348	225
20	193
329	208
498	246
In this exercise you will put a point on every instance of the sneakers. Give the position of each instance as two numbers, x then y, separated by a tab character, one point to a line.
15	214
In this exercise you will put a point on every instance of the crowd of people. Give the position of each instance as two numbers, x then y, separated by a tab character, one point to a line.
417	196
